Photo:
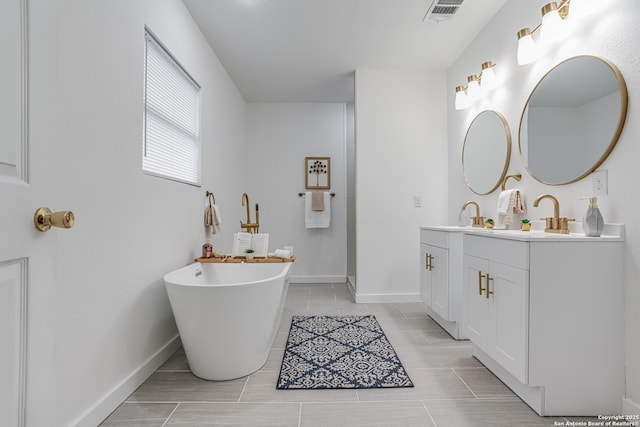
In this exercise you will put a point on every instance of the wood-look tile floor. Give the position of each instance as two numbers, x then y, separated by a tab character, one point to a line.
452	389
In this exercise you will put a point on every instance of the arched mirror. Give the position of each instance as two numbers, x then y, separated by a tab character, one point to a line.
572	120
486	152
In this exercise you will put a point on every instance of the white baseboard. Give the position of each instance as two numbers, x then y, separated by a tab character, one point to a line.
629	407
317	279
351	285
386	298
110	401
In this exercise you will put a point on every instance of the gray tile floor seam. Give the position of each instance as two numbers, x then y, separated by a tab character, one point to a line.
172	412
467	385
429	414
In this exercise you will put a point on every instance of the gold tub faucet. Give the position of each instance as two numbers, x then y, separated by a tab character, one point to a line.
555	224
478	221
249	226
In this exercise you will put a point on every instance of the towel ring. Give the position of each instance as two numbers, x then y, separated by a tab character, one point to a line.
517	177
211	197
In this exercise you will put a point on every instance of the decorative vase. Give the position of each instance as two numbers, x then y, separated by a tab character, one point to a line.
488	224
249	256
525	226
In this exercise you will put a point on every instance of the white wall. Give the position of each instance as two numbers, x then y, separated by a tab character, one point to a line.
279	137
614	37
351	194
401	151
112	312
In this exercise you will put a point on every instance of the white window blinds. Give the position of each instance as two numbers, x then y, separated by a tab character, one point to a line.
171	140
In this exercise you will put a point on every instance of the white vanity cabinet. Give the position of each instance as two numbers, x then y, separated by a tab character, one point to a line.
497	303
545	314
441	276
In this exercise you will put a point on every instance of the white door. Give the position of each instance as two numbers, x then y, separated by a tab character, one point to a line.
509	319
27	293
476	303
440	282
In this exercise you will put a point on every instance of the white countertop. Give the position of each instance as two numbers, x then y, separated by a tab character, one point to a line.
611	233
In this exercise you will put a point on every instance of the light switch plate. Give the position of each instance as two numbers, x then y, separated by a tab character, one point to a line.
417	201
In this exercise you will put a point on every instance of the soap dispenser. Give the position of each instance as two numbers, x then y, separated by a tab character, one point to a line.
593	223
463	218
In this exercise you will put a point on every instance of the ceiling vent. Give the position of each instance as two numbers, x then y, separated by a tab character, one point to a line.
442	10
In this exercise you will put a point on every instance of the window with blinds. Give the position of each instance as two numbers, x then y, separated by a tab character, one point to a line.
171	135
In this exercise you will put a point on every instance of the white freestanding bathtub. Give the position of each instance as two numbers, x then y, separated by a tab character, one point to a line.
227	314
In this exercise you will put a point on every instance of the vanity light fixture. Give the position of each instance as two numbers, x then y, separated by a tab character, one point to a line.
550	29
476	86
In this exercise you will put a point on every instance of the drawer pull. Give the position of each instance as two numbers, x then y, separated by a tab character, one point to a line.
489	279
480	288
428	258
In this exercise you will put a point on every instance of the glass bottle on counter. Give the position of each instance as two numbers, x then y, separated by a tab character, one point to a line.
207	249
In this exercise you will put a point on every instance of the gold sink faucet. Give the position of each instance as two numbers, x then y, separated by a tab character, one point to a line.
249	226
555	224
478	221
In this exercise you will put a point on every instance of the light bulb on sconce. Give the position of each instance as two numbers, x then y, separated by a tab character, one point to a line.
461	98
528	50
488	76
473	88
552	24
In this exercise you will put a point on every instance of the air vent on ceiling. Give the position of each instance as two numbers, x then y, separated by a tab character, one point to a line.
442	10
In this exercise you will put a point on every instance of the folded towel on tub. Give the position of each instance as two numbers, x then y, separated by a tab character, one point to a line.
282	253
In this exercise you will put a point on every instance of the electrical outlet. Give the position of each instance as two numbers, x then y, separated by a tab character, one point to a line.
417	201
600	183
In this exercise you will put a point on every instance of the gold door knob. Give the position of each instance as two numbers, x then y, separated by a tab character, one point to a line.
44	219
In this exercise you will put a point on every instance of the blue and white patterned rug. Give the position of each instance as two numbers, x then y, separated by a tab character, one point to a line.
329	352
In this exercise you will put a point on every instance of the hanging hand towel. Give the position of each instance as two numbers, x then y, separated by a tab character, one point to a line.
503	202
212	218
217	220
317	219
509	202
217	216
317	200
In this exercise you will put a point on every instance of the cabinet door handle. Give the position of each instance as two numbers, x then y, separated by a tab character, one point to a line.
480	288
428	259
489	279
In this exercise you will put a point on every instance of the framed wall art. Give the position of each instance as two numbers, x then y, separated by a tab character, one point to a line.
317	173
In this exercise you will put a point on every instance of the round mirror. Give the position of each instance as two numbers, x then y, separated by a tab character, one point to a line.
572	120
486	152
